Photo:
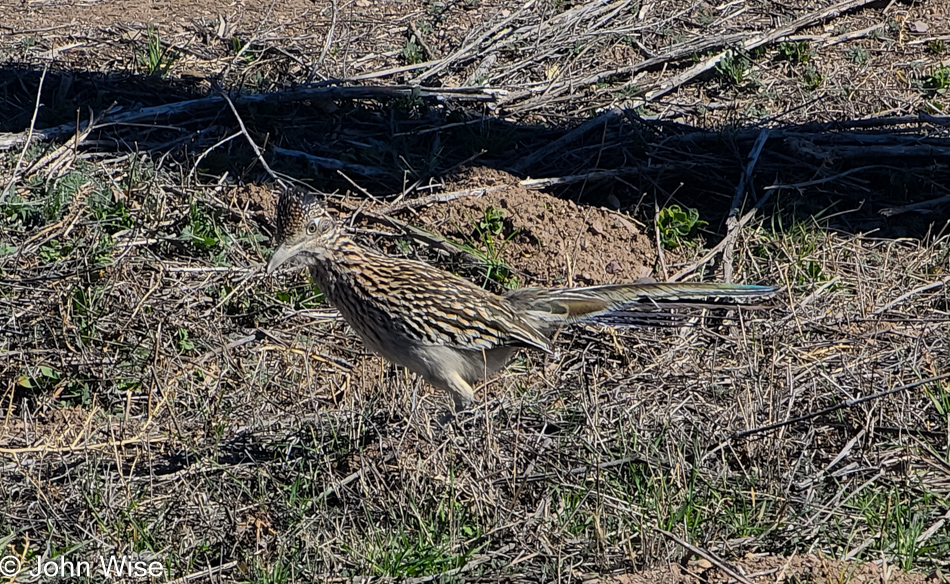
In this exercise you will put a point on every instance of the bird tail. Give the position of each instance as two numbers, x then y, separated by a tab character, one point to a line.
628	304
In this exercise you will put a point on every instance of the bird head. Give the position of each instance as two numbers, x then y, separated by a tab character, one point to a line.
303	227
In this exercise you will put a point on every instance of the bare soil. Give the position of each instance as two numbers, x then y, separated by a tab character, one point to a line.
549	240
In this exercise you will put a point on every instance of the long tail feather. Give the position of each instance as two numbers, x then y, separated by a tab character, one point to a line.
626	304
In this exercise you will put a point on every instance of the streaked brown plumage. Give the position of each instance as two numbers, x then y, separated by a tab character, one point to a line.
445	328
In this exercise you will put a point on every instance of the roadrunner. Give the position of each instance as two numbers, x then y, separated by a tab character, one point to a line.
445	328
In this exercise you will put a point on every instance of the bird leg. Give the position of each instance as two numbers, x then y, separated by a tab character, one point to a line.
460	390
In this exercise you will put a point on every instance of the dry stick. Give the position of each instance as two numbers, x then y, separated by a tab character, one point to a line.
919	207
68	146
328	163
850	36
297	94
205	573
771	37
468	47
913	292
326	44
441	198
257	151
713	558
731	222
566	139
828	410
36	109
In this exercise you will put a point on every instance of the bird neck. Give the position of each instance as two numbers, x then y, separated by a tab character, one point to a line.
340	259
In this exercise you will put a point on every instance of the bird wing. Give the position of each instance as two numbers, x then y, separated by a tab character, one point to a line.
443	309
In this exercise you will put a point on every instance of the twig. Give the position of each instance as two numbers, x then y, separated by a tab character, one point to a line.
326	44
708	555
913	292
257	151
192	106
731	222
469	46
441	198
828	410
568	138
29	136
923	206
205	573
771	37
328	163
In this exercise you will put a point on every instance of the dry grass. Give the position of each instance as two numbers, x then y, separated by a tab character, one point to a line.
142	418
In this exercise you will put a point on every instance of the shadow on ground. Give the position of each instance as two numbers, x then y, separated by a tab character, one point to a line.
884	176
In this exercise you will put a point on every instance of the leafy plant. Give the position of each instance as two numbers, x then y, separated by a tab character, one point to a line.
490	228
734	67
858	55
795	52
184	343
677	225
812	77
412	52
937	83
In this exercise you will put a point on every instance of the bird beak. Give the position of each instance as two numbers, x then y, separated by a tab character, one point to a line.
281	255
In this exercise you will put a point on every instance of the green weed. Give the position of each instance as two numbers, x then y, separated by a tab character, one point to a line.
795	51
491	239
184	343
677	225
412	53
734	67
857	55
812	77
937	83
155	59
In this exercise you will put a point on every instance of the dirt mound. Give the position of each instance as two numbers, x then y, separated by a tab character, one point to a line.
550	240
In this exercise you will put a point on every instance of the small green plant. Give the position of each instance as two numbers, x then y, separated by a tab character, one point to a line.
52	251
43	378
937	83
858	55
154	59
201	231
758	52
490	234
677	225
734	67
705	17
412	52
812	77
795	52
184	343
937	47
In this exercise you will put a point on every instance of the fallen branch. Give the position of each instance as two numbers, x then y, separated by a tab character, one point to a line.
193	106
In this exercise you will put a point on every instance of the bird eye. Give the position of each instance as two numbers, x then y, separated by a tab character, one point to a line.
312	227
